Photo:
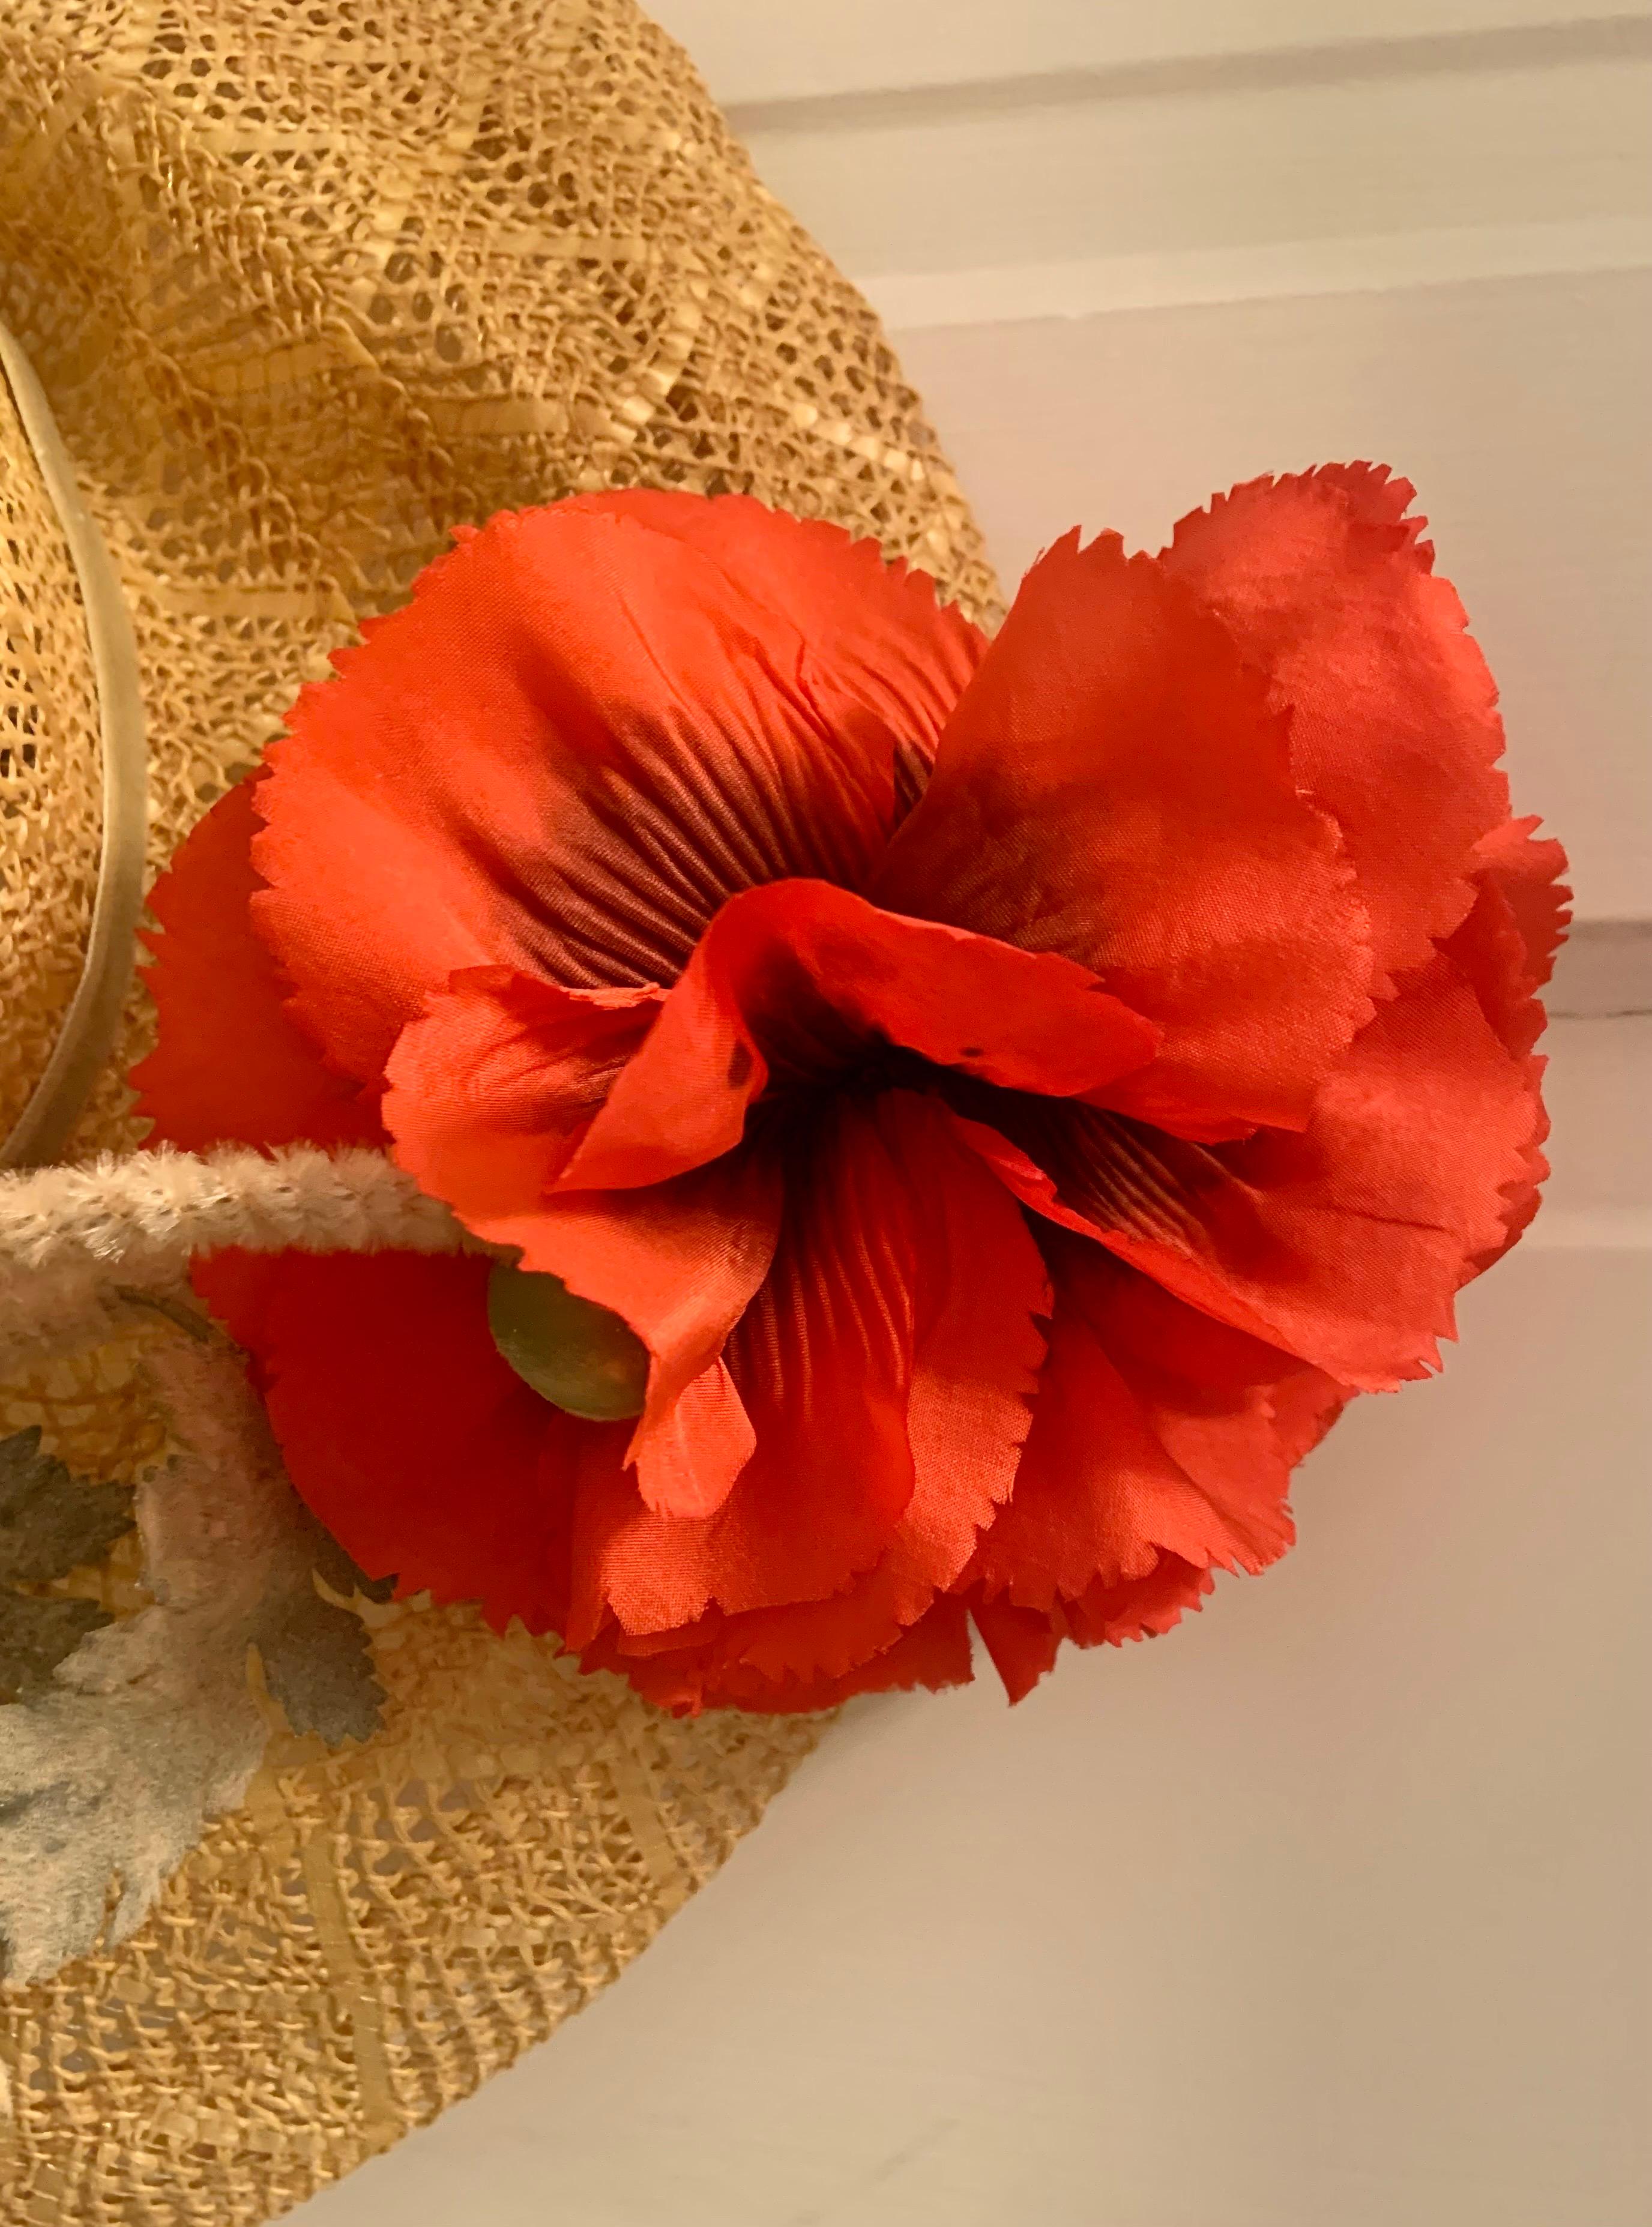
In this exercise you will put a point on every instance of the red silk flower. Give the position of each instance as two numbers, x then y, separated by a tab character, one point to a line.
1015	1092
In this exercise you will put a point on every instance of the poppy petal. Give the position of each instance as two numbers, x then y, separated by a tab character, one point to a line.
800	982
416	1445
877	641
1328	587
1505	948
934	1653
1507	943
1345	1245
229	1065
1115	786
1024	1643
1527	868
580	735
886	1365
1109	1616
1154	1434
680	1262
491	1086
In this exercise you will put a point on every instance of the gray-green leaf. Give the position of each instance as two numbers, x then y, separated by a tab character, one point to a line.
110	1771
316	1656
36	1635
51	1522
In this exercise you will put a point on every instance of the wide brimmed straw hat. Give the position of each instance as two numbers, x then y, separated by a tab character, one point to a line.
289	292
705	1105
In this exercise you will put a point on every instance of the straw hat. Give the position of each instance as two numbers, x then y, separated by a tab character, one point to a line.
869	1133
291	292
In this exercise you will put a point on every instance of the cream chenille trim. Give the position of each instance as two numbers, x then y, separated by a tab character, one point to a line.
79	1246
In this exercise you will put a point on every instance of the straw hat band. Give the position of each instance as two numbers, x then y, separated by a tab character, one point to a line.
89	1026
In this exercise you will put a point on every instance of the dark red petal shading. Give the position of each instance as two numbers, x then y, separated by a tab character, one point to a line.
1527	868
229	1065
1115	786
1109	1616
580	737
1024	1642
422	1452
492	1088
876	640
1345	1245
1153	1436
800	981
935	1653
1506	948
886	1365
1507	943
1327	586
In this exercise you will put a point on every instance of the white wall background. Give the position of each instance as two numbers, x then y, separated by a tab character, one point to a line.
1331	1910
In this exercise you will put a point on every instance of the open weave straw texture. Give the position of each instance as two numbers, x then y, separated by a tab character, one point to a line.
307	286
310	281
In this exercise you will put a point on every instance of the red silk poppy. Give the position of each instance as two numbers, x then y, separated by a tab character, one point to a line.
1016	1093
